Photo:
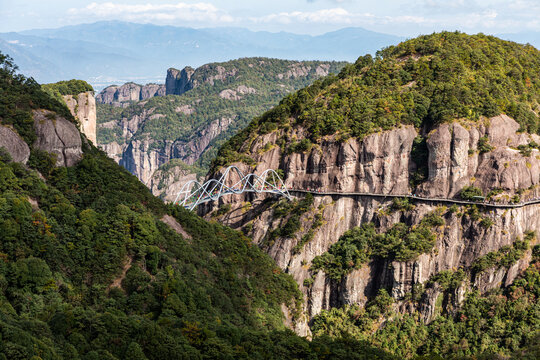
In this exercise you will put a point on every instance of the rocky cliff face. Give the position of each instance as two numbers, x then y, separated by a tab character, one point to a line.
180	81
142	157
177	81
382	164
83	108
455	160
166	183
58	136
124	95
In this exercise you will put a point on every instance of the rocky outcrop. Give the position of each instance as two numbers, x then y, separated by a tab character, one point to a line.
295	70
128	93
114	150
166	183
382	164
142	157
455	160
178	81
231	94
58	136
14	145
83	108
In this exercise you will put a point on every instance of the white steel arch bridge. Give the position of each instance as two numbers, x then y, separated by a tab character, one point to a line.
233	181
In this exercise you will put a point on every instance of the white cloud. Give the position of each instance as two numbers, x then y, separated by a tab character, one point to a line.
420	16
448	3
197	12
324	16
478	18
338	16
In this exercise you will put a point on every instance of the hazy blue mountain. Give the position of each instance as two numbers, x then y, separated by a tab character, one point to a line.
114	52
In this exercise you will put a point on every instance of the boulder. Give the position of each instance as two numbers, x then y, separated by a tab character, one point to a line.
14	144
59	136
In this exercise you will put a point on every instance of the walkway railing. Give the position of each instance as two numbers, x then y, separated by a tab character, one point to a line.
194	193
420	198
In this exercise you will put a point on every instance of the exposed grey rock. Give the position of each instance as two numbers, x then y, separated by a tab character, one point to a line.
142	159
454	161
229	94
178	81
185	109
296	70
14	145
129	92
58	136
167	184
322	70
83	108
243	89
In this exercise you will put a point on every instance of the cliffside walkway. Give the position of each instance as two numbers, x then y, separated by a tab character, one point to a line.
418	198
194	193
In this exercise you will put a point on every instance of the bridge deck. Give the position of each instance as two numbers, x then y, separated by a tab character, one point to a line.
419	198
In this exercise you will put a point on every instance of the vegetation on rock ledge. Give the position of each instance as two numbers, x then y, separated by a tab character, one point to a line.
358	245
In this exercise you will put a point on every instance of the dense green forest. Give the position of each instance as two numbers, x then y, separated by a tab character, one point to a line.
267	78
421	82
70	87
91	268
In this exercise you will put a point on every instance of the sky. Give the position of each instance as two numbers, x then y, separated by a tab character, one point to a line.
404	18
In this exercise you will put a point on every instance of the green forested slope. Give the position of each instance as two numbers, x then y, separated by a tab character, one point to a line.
89	271
422	81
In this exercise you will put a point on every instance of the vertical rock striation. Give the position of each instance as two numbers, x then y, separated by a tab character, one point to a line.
382	164
83	108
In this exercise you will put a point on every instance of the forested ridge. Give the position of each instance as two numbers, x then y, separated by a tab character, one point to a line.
422	82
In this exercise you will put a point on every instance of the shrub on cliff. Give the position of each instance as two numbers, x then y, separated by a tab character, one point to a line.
360	244
471	193
70	87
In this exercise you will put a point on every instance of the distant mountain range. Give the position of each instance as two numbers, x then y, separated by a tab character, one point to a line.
104	53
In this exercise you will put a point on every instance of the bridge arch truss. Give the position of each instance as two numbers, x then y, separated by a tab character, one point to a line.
232	182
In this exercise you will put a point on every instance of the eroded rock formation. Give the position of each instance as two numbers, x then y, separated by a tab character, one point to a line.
83	108
125	94
142	158
382	164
